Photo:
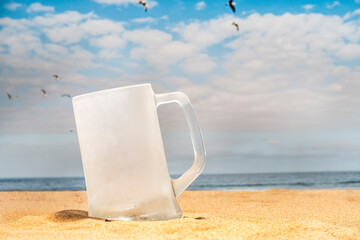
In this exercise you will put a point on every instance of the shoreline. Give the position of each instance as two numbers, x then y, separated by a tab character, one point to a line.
270	214
211	182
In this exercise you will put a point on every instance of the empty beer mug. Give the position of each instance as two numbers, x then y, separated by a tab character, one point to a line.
123	155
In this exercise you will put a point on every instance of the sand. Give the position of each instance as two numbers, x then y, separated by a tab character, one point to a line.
273	214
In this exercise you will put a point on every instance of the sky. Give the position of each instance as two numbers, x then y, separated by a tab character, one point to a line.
281	94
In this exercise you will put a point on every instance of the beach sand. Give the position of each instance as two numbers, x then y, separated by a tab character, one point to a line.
272	214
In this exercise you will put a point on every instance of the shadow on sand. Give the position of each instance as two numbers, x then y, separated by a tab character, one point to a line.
69	215
195	218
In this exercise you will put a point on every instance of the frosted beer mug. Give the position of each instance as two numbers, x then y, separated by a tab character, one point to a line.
123	155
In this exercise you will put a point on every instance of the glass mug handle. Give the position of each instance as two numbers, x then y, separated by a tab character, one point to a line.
181	183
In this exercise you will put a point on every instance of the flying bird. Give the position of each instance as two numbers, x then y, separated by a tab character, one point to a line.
66	95
236	25
9	96
144	4
231	4
44	93
57	77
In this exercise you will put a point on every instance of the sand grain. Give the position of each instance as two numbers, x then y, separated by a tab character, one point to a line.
273	214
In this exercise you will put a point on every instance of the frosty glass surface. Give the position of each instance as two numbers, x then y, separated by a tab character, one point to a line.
123	155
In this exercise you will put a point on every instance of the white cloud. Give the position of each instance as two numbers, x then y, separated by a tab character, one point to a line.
200	6
157	48
248	12
162	54
357	1
354	13
12	6
151	4
75	30
108	41
349	51
109	54
150	19
264	69
308	7
335	87
116	2
101	26
38	7
266	76
67	34
60	19
198	64
178	81
262	77
144	20
204	34
148	37
333	4
35	58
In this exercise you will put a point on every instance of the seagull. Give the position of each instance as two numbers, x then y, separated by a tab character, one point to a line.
144	4
66	95
231	4
236	25
44	93
57	77
9	96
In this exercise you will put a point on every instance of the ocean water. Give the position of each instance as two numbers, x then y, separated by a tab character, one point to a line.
226	182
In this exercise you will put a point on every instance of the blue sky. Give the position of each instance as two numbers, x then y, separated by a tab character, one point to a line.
177	9
280	94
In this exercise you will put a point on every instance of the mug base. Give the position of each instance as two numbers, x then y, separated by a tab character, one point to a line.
142	217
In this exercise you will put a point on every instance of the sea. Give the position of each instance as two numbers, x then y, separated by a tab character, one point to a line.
222	182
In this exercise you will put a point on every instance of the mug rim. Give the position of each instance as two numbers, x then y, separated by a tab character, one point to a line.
108	90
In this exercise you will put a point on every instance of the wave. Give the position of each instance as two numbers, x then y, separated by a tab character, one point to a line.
258	181
350	182
253	185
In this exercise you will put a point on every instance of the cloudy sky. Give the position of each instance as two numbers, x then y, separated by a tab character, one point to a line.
279	94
